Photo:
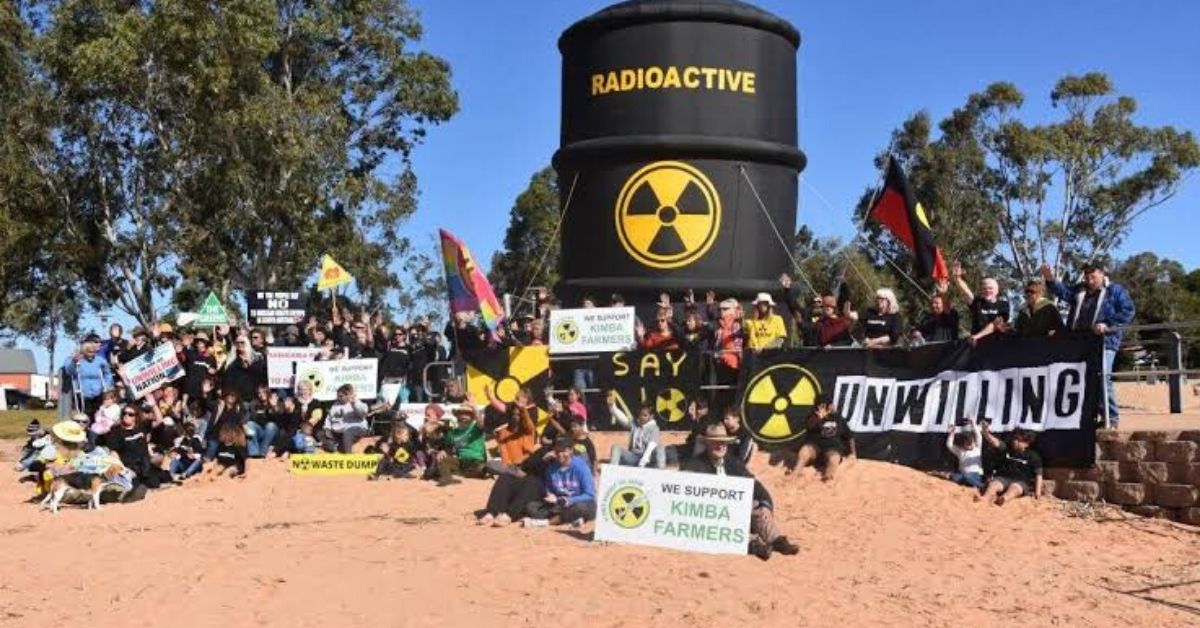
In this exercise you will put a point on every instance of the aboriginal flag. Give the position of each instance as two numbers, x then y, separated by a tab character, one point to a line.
898	209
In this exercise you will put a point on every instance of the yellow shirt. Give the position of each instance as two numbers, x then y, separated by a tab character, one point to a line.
764	333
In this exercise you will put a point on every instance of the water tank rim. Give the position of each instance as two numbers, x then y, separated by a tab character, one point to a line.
619	148
636	12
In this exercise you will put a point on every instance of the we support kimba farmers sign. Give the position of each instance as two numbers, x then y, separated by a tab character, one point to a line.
151	371
592	330
326	377
694	512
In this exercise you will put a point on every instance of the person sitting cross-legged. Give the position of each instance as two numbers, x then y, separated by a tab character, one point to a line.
644	444
765	536
570	492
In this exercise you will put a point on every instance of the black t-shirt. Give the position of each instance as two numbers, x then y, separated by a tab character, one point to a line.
130	446
878	325
939	327
1024	466
827	434
232	456
197	369
984	312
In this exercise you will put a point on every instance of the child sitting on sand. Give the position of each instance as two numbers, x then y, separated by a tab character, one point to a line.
187	456
231	452
1018	473
398	455
303	441
967	446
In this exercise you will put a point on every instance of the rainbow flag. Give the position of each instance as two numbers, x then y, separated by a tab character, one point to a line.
468	286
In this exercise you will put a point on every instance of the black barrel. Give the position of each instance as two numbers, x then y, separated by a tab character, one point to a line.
665	104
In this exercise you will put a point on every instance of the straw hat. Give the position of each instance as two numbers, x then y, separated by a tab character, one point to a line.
69	432
764	297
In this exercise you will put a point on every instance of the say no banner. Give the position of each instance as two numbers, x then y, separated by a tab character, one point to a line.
687	511
281	364
592	330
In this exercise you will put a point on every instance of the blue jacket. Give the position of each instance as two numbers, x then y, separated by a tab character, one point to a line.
1115	308
95	375
573	482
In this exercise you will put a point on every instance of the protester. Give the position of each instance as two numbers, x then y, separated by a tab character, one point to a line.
827	440
92	373
262	428
570	492
187	456
245	372
765	329
347	422
231	453
583	443
1038	317
1101	307
303	441
990	311
940	324
468	442
644	441
663	337
36	440
881	327
766	536
967	447
517	438
397	455
728	339
833	327
1018	473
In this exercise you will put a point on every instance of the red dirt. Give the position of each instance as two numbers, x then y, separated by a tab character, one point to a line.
886	546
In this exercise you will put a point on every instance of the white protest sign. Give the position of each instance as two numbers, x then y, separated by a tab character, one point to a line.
281	364
150	371
592	330
326	377
694	512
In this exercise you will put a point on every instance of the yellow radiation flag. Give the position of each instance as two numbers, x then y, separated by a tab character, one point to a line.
332	274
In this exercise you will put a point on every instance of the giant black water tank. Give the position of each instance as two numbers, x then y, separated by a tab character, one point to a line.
665	104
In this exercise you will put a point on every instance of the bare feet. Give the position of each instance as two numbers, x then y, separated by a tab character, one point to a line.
978	497
1000	500
502	521
485	520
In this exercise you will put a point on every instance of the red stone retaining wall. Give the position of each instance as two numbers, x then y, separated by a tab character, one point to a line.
1153	474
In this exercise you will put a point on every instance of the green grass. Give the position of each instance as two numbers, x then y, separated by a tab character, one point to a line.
12	422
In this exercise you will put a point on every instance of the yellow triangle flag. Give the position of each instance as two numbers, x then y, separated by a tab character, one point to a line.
332	274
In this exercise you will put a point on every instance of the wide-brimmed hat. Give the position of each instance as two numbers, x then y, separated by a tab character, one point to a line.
716	433
69	432
763	297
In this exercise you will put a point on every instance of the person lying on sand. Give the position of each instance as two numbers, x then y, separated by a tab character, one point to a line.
765	536
1018	473
827	440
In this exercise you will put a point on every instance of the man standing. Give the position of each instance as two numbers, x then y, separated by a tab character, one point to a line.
1102	308
765	537
90	373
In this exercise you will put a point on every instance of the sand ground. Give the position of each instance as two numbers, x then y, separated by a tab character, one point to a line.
886	546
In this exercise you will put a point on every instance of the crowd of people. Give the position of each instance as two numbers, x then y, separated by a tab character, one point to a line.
222	411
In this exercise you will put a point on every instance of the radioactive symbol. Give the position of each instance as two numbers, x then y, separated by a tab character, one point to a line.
566	331
669	404
628	506
668	215
508	372
314	377
777	401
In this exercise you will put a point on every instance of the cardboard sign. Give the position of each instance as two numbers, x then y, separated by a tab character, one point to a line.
592	330
151	371
666	380
332	274
212	313
274	308
281	364
694	512
333	464
326	377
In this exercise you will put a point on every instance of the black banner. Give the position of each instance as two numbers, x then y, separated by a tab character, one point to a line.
265	307
899	402
666	380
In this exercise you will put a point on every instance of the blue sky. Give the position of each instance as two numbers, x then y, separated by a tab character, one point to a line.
863	68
